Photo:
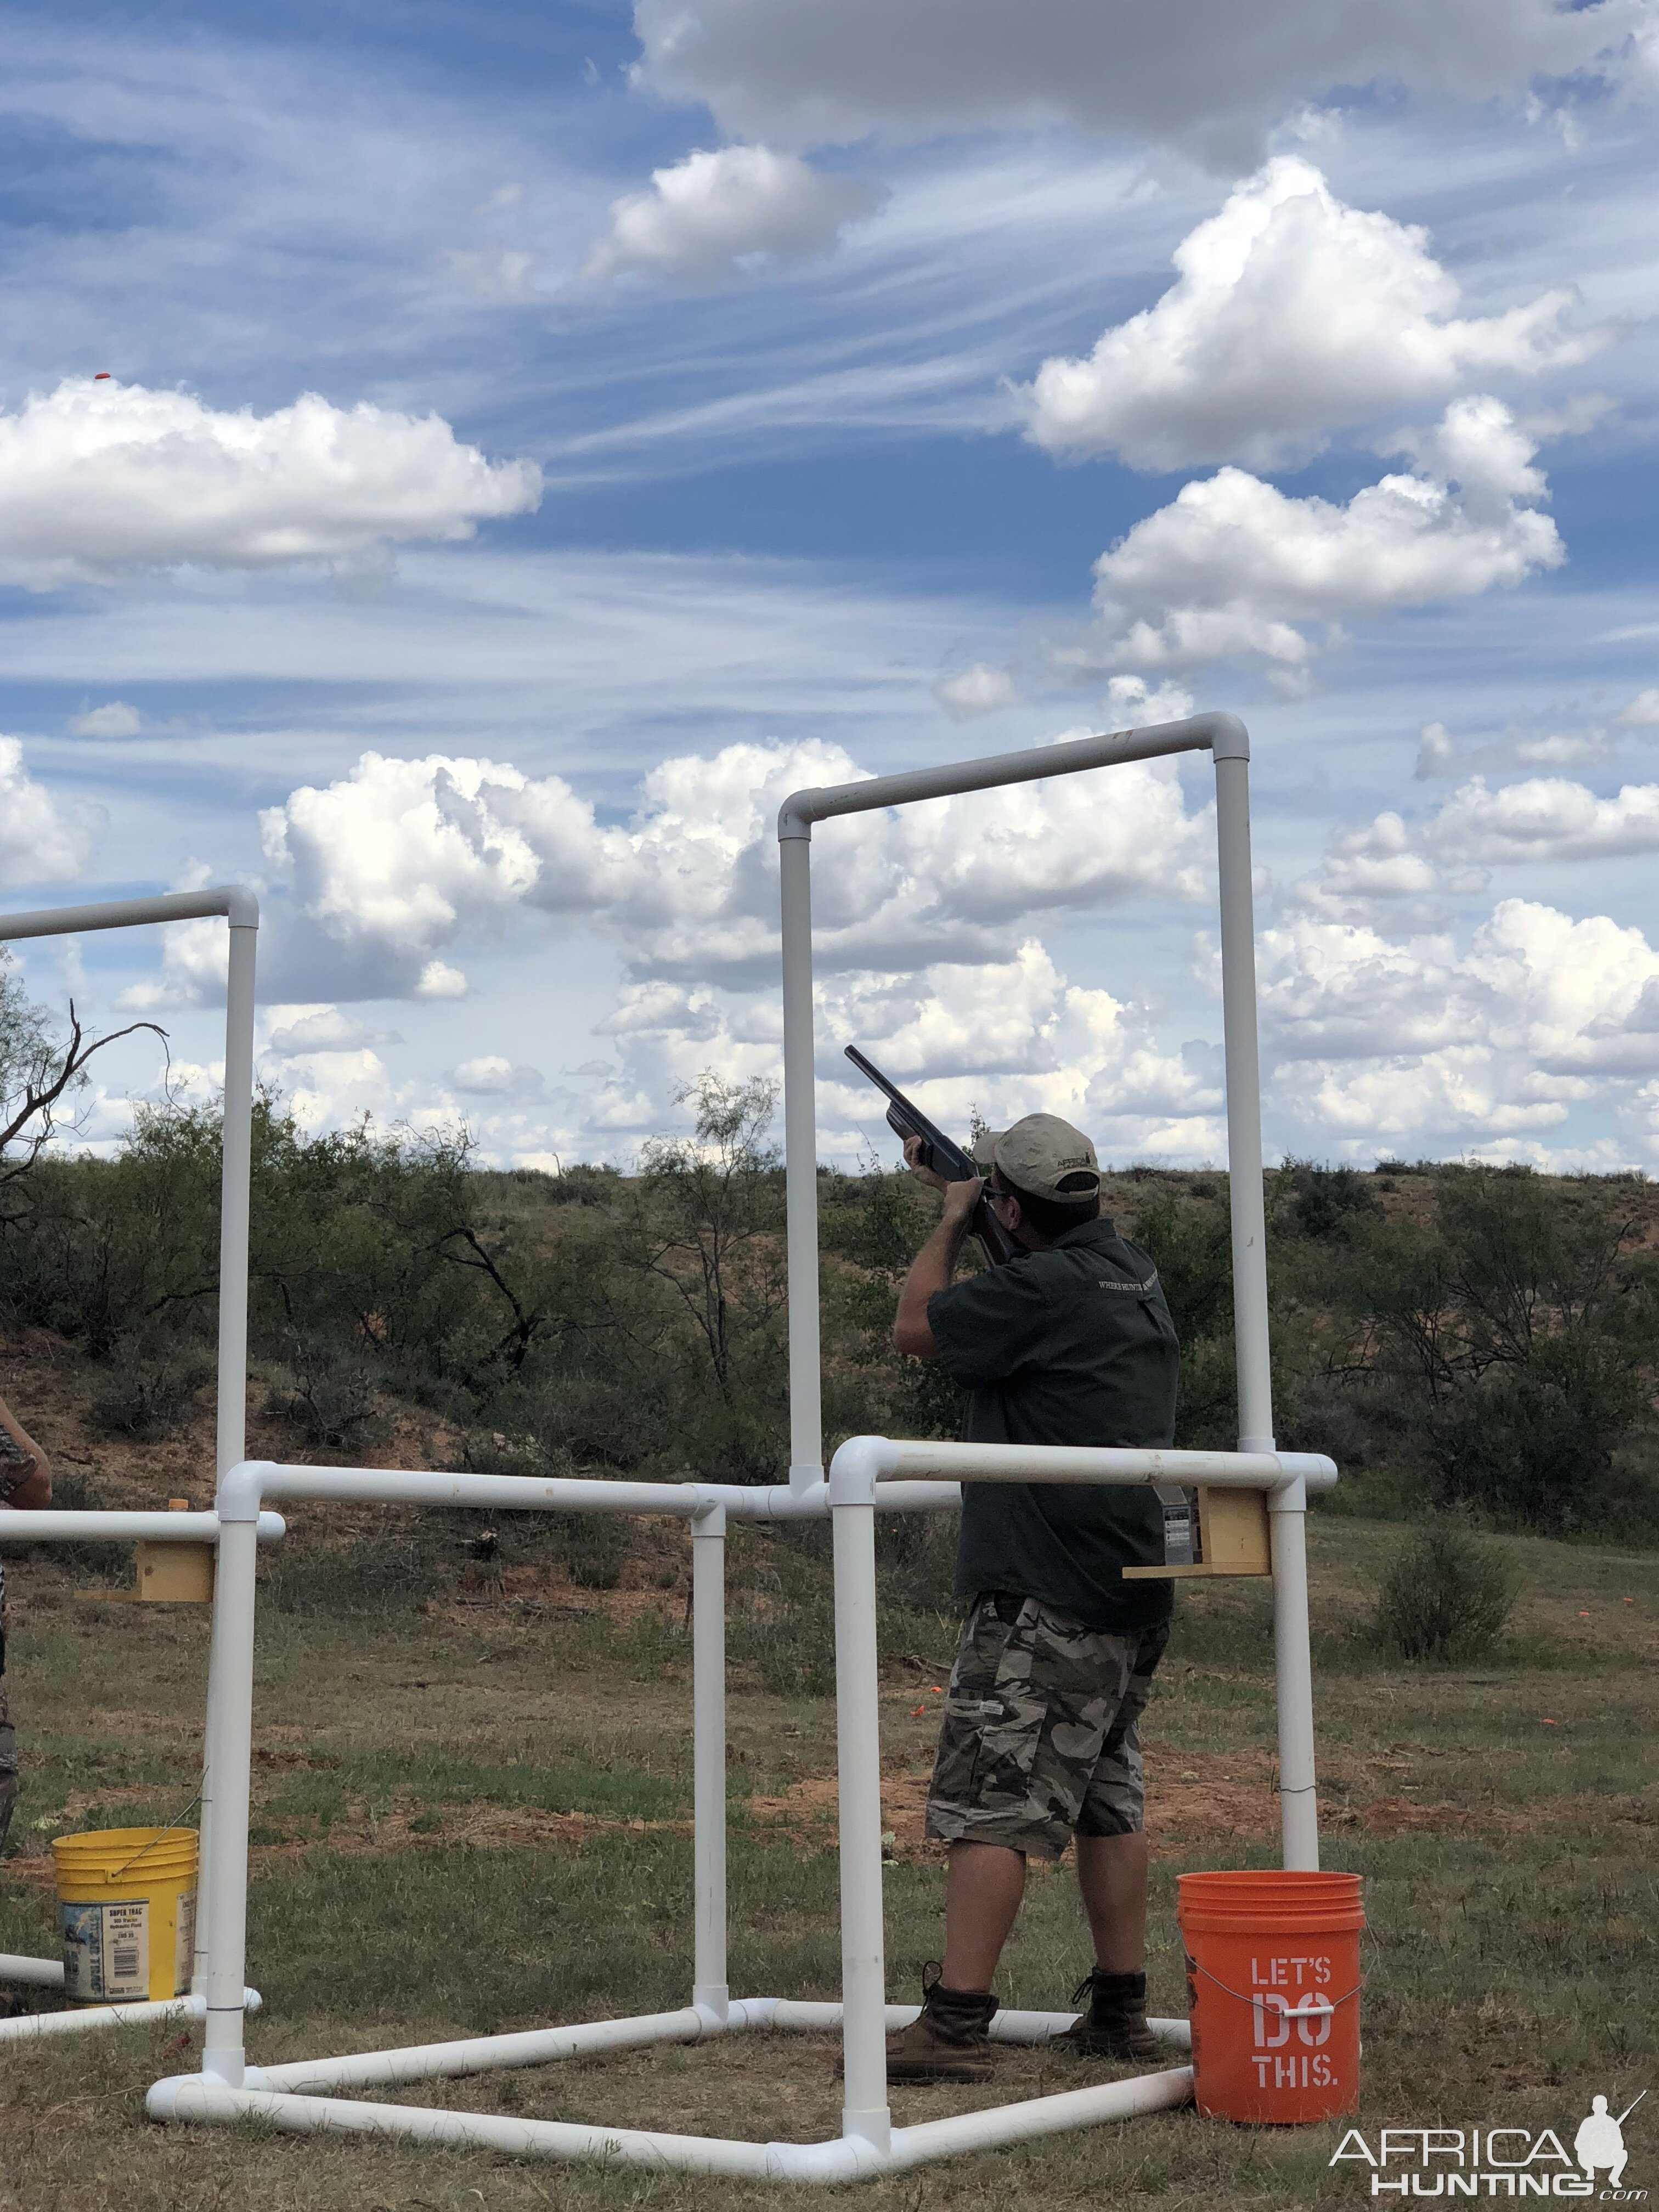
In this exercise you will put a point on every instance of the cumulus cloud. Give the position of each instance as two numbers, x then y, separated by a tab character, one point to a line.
1377	1039
292	1032
401	857
117	719
1293	315
195	959
437	980
709	216
1203	73
493	1076
1543	822
99	477
1440	754
1132	703
923	946
975	690
43	839
1233	567
1015	1036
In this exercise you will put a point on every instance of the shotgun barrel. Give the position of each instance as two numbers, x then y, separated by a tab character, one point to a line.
941	1153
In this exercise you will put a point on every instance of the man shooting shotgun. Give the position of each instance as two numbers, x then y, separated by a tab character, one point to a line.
1069	1341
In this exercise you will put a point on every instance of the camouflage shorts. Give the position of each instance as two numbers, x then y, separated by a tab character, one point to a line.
1039	1742
7	1767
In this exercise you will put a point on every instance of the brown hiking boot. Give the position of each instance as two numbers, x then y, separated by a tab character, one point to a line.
950	2041
1114	2025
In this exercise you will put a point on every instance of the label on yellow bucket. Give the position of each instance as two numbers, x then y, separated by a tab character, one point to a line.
106	1952
184	1943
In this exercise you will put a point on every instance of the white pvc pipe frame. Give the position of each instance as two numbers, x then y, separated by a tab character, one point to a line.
241	909
302	2097
907	1476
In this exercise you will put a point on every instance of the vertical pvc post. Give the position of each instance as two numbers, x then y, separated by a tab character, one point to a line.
858	1753
1299	1804
229	1759
1250	1225
709	1988
238	1153
236	1147
800	1142
1298	1797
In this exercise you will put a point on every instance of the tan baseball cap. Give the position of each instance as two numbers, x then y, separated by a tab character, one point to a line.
1044	1156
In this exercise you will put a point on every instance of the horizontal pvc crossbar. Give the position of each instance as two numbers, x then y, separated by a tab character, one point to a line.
33	1973
519	1493
1217	733
498	1494
235	901
886	1462
66	1528
81	2019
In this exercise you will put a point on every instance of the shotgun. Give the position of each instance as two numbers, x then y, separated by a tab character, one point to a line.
941	1153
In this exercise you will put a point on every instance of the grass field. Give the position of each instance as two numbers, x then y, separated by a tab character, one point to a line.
475	1816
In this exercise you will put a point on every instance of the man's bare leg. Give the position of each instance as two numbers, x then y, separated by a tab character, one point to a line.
982	1890
1111	1873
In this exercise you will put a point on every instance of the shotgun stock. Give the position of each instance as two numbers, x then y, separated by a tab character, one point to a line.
941	1153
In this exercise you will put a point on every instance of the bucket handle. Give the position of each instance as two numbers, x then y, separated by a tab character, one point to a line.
1305	2011
172	1828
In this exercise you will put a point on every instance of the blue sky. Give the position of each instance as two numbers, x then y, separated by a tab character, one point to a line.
702	405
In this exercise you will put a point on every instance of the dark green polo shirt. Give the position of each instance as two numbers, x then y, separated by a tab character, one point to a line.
1072	1346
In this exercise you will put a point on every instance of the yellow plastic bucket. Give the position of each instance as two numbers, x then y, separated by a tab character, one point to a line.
127	1897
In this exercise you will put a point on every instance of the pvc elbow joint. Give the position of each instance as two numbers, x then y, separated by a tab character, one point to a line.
241	906
1229	738
857	1467
795	815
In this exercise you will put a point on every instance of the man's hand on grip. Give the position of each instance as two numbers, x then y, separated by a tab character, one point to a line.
913	1149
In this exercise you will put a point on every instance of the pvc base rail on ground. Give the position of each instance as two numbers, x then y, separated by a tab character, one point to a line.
288	2097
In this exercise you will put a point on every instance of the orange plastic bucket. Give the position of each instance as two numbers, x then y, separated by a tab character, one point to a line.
1272	1986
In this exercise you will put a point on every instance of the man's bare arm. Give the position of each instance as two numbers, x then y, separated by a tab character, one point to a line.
932	1270
35	1491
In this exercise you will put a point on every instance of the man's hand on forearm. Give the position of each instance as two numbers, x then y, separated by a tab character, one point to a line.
932	1270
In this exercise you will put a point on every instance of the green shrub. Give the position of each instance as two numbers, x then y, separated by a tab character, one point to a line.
1445	1598
144	1390
1533	1444
330	1394
592	1547
1320	1201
